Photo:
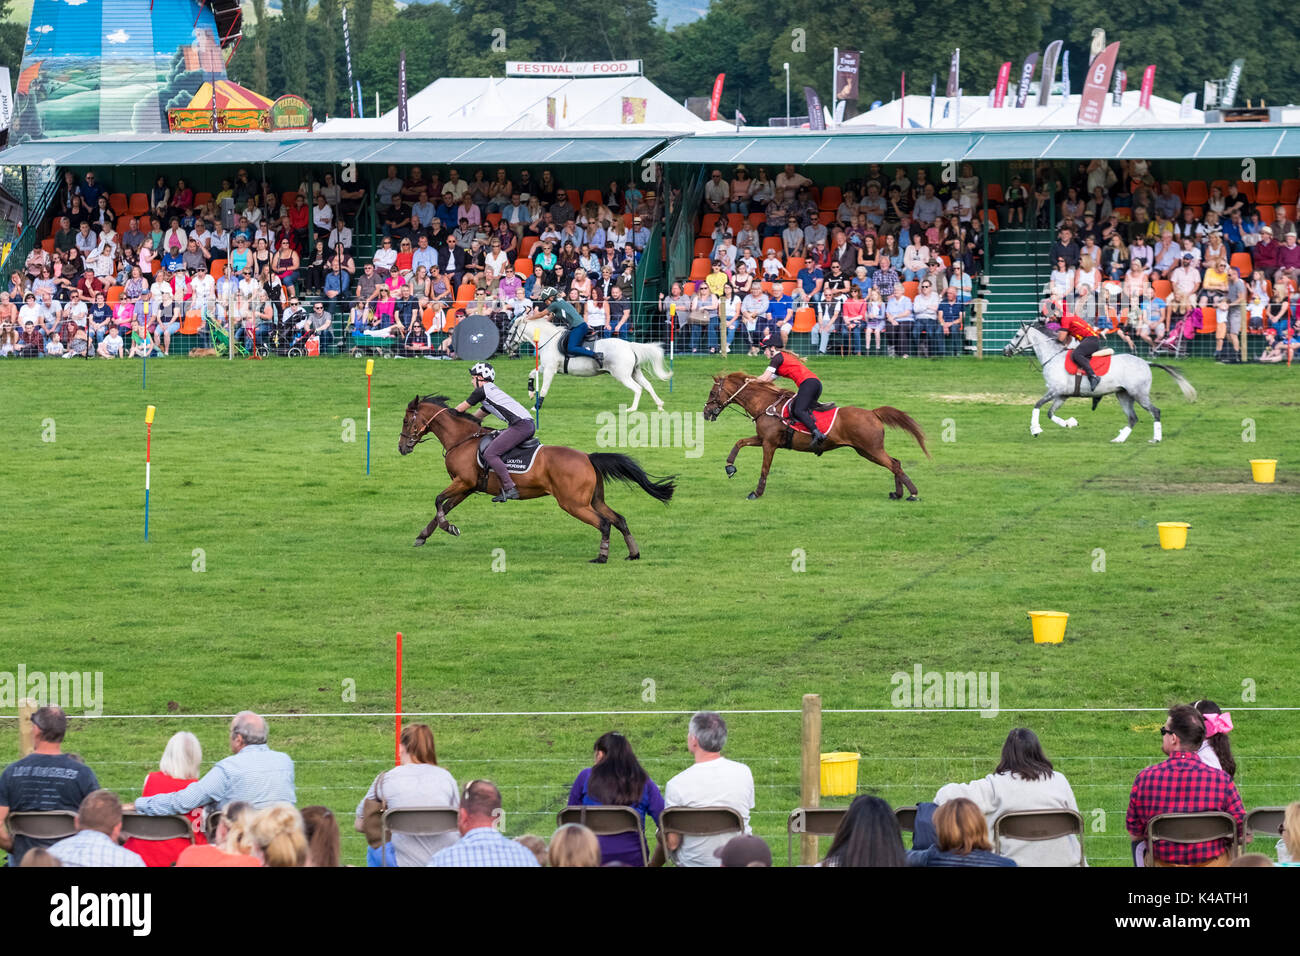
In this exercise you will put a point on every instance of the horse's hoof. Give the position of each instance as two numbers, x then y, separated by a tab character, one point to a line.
598	560
453	531
419	543
633	557
1035	432
894	496
1153	441
913	498
731	471
753	496
1071	423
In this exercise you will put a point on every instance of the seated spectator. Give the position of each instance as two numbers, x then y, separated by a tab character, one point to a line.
916	258
46	779
575	845
717	194
1288	848
927	335
1167	204
481	844
178	768
712	781
868	835
99	824
1183	784
1023	780
744	850
928	206
1215	751
279	835
616	778
253	773
954	834
536	846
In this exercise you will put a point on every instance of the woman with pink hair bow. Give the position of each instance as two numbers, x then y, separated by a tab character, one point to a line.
1215	750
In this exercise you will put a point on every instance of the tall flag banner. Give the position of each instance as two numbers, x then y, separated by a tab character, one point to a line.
550	111
902	97
347	55
6	99
716	98
633	110
1000	91
815	118
838	117
1211	97
954	72
403	121
1026	77
1121	83
1230	87
1148	83
1093	100
1188	106
1065	74
934	88
1098	44
847	66
1048	78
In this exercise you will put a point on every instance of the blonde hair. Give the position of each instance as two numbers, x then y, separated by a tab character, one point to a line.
278	833
536	845
1291	829
574	845
182	756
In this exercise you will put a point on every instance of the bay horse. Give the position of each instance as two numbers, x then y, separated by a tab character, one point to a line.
575	478
861	429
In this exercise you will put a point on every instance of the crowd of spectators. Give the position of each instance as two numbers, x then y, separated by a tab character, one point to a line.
121	279
256	823
1134	258
873	264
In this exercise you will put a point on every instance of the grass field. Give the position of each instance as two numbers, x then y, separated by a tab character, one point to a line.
309	571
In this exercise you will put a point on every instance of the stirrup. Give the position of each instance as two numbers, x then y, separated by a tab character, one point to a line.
510	494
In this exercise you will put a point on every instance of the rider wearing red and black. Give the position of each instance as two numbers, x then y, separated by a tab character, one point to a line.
1089	342
808	386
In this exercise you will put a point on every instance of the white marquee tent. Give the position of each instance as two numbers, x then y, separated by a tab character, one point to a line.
469	105
977	114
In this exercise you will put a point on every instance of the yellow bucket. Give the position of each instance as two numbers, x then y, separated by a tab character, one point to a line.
840	774
1049	626
1263	470
1173	534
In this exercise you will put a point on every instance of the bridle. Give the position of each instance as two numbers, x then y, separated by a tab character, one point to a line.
425	433
729	400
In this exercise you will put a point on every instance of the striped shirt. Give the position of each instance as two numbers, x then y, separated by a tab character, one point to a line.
484	846
257	774
93	848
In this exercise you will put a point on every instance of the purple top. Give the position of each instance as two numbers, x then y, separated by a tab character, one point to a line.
621	847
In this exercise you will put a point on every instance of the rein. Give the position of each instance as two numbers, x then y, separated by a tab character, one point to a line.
426	433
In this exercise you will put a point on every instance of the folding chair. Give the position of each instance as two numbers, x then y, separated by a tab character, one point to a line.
906	817
211	821
699	821
1264	822
607	821
817	821
1190	828
418	821
1034	825
48	825
144	827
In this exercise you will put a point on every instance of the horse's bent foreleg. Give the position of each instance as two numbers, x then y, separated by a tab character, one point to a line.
644	382
1063	422
447	499
587	513
628	381
743	443
769	449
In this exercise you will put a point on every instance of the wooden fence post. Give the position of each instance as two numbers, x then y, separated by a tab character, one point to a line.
26	731
810	775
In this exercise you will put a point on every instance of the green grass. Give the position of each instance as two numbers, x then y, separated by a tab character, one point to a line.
310	572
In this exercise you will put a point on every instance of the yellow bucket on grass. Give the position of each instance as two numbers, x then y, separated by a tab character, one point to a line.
1263	470
1049	626
840	774
1173	534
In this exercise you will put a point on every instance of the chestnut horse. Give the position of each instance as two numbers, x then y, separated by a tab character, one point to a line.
575	478
861	429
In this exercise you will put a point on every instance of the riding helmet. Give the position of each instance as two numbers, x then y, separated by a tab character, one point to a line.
484	371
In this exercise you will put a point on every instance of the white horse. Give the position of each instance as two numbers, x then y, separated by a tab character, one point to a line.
1129	377
623	359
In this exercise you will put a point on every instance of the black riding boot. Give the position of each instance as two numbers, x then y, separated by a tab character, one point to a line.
817	440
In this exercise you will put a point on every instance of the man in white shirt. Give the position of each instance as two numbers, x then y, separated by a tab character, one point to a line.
340	233
99	823
388	188
712	781
322	217
455	185
789	179
385	257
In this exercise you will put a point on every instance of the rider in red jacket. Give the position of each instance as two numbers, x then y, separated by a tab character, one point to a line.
1089	342
809	386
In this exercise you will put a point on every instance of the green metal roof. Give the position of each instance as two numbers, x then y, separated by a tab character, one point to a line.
306	148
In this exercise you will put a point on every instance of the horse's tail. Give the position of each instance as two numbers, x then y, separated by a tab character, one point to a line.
896	419
626	469
654	354
1189	393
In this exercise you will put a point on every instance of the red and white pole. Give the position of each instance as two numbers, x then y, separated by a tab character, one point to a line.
148	442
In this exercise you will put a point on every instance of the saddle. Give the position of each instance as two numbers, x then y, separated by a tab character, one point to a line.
518	459
563	343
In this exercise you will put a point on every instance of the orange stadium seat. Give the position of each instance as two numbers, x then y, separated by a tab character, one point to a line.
831	198
524	266
1266	191
113	294
193	322
575	198
494	219
707	222
1267	214
1197	194
1246	189
909	288
1176	187
138	204
1221	183
825	216
735	221
217	267
804	319
1208	320
1161	287
627	219
1243	262
703	246
700	268
794	264
117	202
526	245
48	245
592	195
757	219
1290	192
773	242
995	192
202	199
688	288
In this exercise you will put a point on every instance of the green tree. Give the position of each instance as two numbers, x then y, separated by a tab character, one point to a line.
292	29
420	30
327	49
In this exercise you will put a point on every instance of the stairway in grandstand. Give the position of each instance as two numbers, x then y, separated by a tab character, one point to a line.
1015	282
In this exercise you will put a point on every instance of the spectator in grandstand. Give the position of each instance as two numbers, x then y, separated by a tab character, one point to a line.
640	234
321	831
1266	253
741	191
717	194
178	768
1215	751
788	178
898	315
322	219
754	313
1139	251
928	208
1288	848
46	779
927	334
481	844
916	258
868	835
1282	222
253	773
954	834
1229	310
1066	248
417	781
1167	205
1183	784
951	316
712	781
1023	780
99	824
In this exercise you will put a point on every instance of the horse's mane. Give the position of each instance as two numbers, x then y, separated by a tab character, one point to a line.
445	402
772	387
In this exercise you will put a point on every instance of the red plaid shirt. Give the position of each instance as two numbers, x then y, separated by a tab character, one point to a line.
1182	784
